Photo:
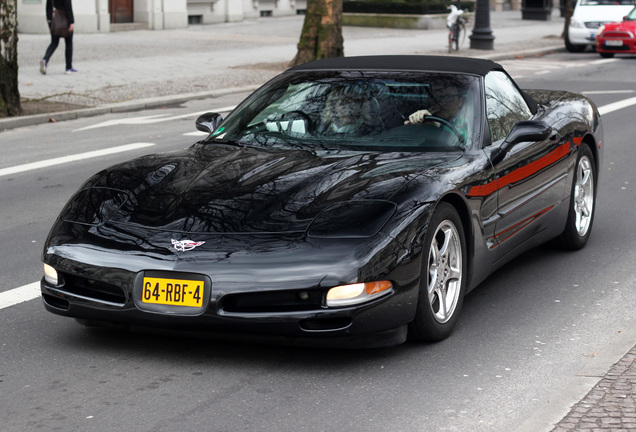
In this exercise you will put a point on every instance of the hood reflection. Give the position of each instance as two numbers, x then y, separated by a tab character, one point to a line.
221	189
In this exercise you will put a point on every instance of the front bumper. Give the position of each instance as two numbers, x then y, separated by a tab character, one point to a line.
382	322
609	45
247	295
582	36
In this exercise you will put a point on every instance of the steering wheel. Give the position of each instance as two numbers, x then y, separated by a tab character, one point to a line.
290	117
447	124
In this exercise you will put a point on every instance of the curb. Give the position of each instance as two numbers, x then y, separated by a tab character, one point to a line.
140	104
135	105
559	403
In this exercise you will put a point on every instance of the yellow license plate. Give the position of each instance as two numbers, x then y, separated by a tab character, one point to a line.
172	292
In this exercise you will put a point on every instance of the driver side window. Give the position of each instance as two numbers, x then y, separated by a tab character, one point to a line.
505	106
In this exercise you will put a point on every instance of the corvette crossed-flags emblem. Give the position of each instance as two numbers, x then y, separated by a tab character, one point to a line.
185	245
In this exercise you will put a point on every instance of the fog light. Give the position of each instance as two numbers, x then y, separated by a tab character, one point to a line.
346	295
50	274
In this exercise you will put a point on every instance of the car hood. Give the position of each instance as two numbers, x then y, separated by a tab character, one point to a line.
227	189
623	25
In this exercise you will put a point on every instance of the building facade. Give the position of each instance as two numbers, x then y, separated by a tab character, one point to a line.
101	16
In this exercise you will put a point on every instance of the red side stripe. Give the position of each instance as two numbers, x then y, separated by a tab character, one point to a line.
523	172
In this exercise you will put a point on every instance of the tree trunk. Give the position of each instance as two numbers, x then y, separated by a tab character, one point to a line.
9	93
569	9
321	36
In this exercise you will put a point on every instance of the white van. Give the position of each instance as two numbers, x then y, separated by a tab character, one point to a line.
588	16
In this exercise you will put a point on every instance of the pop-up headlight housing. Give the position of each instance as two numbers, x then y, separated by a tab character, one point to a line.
94	206
352	219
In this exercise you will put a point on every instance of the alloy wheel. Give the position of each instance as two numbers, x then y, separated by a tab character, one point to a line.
584	196
444	271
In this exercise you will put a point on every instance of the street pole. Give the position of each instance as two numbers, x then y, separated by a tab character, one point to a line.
482	37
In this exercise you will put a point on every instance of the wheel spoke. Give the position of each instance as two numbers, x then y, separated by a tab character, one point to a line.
585	177
585	211
442	312
448	238
455	274
433	267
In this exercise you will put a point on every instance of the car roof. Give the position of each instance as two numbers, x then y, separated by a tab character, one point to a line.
404	63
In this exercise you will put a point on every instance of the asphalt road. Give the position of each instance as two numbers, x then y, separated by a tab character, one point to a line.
522	334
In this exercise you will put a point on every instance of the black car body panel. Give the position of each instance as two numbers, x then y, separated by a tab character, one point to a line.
267	230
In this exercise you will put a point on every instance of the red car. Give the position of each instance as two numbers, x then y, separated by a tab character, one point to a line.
618	37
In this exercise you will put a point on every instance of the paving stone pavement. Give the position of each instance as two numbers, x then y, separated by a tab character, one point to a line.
610	405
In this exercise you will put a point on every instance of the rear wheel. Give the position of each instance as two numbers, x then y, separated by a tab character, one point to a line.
443	277
582	202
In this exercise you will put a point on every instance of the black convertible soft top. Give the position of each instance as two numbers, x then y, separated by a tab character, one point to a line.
404	62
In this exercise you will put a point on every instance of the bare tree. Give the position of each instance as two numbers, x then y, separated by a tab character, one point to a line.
569	10
9	93
321	36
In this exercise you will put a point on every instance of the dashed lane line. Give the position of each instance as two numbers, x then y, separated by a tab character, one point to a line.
529	67
72	158
19	295
606	109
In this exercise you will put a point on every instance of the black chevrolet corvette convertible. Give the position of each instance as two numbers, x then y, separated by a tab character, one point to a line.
347	202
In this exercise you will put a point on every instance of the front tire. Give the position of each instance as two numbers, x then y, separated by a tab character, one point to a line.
443	277
582	202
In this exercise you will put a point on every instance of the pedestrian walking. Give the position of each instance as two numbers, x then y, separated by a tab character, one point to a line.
66	7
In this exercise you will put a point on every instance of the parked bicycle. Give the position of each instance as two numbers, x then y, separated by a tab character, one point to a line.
456	24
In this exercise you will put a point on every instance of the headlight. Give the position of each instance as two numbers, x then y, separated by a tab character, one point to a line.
576	24
50	275
352	219
601	29
347	295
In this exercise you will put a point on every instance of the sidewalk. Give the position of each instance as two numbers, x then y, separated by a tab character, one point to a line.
142	69
138	69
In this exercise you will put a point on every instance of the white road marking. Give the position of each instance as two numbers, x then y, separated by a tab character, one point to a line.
603	61
528	64
606	109
150	119
591	92
72	158
19	295
196	133
32	291
530	67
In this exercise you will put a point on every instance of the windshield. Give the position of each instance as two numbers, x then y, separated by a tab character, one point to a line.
607	2
358	110
631	16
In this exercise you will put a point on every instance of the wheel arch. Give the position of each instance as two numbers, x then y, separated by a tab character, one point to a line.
592	143
461	207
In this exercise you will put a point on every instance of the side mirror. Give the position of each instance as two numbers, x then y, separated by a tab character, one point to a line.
524	130
527	130
208	122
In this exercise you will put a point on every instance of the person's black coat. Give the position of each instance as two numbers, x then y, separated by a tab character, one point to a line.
65	5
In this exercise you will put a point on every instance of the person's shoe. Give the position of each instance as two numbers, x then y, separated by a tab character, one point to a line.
43	67
71	71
